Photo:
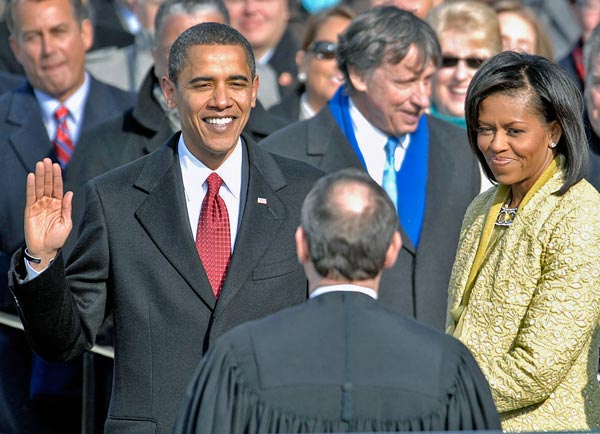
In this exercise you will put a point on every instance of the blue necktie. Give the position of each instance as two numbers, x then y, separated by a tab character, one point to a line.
389	171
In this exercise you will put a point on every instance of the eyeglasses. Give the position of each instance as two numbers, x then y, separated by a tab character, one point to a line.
472	62
323	49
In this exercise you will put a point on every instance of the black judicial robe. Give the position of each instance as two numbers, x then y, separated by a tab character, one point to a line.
340	362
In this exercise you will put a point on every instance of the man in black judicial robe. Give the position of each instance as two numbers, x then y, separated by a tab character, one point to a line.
340	362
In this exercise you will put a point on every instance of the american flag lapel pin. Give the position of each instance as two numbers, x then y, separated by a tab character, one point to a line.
261	201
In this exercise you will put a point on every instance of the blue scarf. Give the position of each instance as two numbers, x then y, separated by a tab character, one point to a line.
411	179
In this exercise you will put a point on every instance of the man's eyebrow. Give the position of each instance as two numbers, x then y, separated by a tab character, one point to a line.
201	79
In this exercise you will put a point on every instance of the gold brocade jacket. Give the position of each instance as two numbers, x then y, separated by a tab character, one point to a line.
531	319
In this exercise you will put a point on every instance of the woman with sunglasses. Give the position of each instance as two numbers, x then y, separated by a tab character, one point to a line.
318	74
469	34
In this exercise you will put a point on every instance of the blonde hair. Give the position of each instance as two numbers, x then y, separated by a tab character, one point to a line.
474	18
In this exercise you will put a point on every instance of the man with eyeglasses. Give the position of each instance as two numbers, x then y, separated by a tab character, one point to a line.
377	122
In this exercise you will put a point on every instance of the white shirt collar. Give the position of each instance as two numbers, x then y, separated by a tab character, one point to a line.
346	287
75	103
229	171
306	111
371	142
194	174
266	57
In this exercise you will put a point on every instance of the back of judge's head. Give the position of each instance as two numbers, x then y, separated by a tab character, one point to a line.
349	223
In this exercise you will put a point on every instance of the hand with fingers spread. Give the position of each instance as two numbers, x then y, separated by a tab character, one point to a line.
47	213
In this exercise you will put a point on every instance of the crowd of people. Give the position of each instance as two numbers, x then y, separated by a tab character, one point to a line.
307	216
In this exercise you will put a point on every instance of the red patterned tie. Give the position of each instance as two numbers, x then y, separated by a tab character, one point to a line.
213	240
63	145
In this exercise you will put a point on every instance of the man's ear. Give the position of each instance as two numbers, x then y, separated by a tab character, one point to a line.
301	246
357	79
16	49
87	34
255	84
393	250
168	88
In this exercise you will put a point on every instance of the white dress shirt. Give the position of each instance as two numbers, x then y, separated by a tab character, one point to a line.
371	142
346	287
75	104
194	174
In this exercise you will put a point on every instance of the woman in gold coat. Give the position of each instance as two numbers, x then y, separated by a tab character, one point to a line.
524	294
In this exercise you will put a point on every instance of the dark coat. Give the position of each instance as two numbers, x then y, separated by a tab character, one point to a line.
24	141
9	81
283	60
136	257
418	284
289	106
338	363
135	133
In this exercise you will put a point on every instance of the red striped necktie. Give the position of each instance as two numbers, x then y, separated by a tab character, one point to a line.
63	144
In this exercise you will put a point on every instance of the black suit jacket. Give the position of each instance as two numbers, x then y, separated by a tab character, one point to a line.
135	133
136	257
23	142
338	363
418	283
283	60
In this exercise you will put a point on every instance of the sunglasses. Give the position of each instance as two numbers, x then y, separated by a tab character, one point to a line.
472	62
323	49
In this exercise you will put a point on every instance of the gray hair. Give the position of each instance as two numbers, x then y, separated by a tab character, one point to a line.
206	34
385	33
79	7
345	243
186	7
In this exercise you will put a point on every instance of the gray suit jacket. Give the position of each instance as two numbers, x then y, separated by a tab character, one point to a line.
136	257
417	285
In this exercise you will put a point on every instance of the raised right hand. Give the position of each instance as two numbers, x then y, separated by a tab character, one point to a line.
47	212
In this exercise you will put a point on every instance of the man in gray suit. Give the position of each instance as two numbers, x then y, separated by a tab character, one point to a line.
340	362
146	251
377	122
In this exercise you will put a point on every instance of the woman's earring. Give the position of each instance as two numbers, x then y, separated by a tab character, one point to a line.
302	77
552	145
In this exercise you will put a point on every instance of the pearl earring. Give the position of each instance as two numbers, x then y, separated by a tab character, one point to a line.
302	77
552	145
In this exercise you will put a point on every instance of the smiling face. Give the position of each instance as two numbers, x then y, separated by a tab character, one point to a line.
50	45
515	141
322	75
213	95
393	97
450	83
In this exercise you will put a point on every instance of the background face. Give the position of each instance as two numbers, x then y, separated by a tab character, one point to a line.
418	7
517	34
51	46
450	83
322	75
262	22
